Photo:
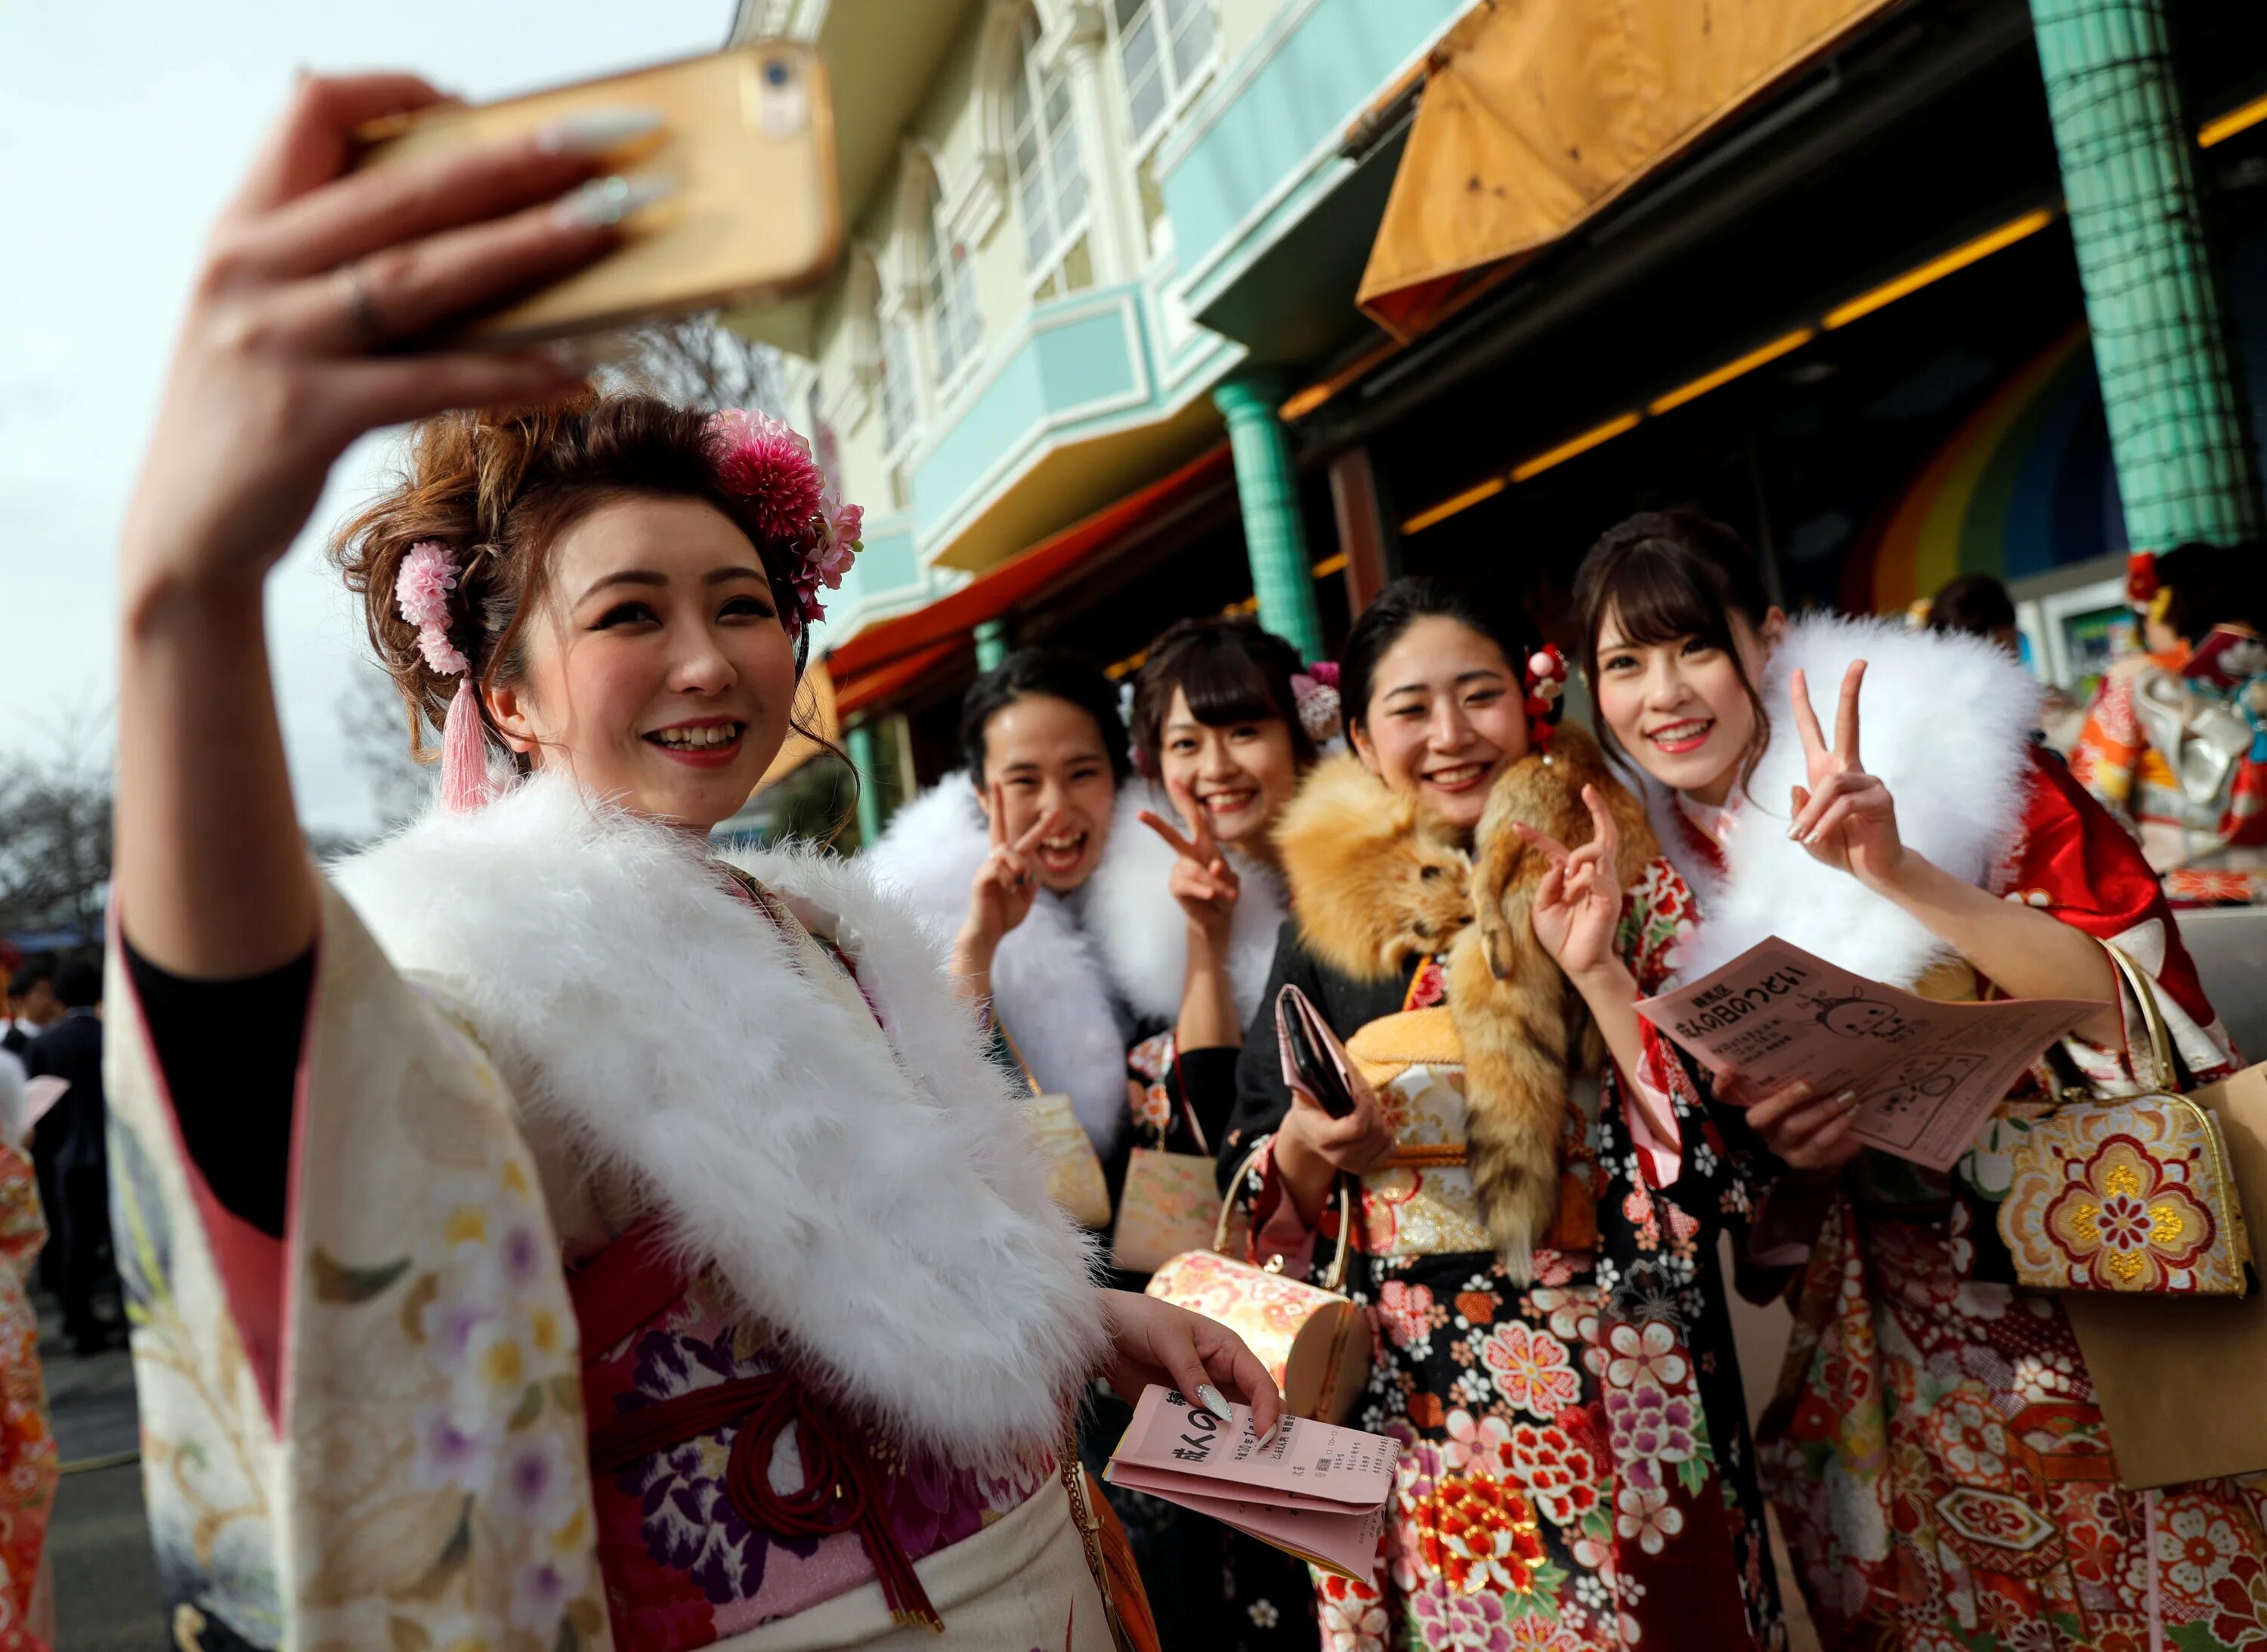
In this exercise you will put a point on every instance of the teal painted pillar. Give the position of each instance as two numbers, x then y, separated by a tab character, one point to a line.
991	644
862	758
1275	534
2177	430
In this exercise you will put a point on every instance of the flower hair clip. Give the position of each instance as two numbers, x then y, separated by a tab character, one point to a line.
421	589
768	466
1315	692
1546	692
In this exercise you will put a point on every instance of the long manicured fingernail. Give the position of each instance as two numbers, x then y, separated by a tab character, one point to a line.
1270	1435
1215	1401
1847	1100
595	131
605	202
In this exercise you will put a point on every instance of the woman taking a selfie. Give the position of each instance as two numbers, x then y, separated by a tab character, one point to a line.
1574	1442
485	1294
1941	1467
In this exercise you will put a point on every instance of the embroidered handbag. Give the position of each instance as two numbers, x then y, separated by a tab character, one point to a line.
2133	1194
1075	1178
1314	1341
1166	1206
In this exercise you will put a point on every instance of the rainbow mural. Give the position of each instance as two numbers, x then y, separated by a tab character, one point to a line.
2025	484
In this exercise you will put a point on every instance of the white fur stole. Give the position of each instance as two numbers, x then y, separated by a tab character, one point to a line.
871	1193
1049	982
1144	937
1944	720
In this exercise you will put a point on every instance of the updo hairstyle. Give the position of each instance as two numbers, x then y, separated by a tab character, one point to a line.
1400	605
1231	671
1041	673
499	489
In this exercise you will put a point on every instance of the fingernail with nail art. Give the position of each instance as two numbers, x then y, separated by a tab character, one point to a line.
605	202
596	131
1214	1401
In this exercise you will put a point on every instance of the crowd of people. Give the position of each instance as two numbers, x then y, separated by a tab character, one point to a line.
540	1228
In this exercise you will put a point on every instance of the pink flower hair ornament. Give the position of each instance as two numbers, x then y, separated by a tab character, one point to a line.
420	592
1315	688
764	462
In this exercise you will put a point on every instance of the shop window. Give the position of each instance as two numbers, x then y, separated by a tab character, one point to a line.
1050	173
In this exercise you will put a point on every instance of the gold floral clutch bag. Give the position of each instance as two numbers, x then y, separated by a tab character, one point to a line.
2130	1195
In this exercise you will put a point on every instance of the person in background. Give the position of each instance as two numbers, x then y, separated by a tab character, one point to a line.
1576	1468
1183	911
33	1006
1976	605
1942	1470
72	1142
1000	856
1220	746
28	1467
2176	742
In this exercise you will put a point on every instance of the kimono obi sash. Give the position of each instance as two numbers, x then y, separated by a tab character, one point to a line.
729	1491
1419	1201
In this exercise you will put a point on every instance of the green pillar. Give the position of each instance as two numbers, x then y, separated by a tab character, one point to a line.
1275	534
864	758
991	644
2177	430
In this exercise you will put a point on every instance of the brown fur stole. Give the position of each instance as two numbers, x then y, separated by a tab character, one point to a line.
1374	887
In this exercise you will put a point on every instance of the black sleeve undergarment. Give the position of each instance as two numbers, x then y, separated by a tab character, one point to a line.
230	1053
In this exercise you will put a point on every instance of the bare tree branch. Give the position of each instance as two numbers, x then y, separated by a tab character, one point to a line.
375	727
698	361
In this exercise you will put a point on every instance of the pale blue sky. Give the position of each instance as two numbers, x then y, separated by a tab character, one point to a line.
122	128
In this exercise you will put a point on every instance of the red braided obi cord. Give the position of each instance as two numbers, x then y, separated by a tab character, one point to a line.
841	1491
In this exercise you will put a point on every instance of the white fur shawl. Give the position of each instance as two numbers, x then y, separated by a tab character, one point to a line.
1144	939
870	1194
1049	984
1945	721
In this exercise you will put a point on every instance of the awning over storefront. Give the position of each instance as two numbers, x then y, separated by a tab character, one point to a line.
1537	112
882	661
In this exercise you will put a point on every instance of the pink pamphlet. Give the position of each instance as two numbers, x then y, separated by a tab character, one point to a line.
1315	1490
1927	1075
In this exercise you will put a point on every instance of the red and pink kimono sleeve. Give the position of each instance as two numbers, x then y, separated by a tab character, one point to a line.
2078	863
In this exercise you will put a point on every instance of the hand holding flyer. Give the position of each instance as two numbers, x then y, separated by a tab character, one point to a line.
1314	1490
1927	1074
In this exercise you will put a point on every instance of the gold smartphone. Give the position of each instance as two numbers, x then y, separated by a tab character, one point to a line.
754	214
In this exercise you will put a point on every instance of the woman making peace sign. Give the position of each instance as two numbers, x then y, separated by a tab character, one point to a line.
1942	1470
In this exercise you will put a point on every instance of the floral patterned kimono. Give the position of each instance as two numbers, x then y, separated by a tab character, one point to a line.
1576	1472
2178	746
27	1447
711	1298
1942	1472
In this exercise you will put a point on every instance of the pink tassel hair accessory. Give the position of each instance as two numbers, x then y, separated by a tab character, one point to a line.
420	592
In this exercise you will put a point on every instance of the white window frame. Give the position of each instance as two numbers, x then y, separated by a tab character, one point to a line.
898	387
1033	80
1182	88
956	323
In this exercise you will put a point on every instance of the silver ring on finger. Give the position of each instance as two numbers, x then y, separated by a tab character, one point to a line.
362	308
